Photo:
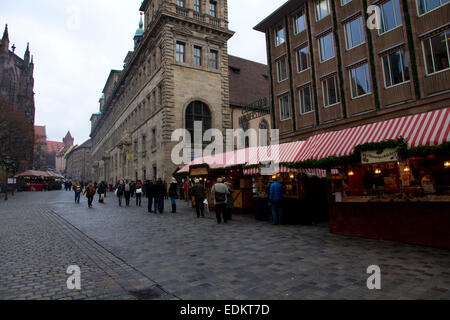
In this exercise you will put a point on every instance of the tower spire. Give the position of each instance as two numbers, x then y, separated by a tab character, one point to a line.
5	40
26	57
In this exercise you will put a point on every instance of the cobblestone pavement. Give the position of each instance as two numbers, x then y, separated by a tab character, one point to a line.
127	253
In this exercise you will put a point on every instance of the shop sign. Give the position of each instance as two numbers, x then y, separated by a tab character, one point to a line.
379	156
201	171
269	168
12	181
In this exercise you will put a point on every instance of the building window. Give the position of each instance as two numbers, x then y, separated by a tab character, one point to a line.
330	91
344	2
282	69
429	5
303	58
213	59
322	9
285	112
180	52
299	23
180	3
360	80
153	138
436	52
395	68
197	5
197	56
305	100
326	45
390	15
197	111
212	9
279	36
354	33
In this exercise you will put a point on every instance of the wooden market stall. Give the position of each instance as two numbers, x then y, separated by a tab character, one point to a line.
393	181
33	180
227	166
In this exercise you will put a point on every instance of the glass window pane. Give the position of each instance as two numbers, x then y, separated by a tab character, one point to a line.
440	52
332	91
387	73
398	13
428	56
387	13
396	68
405	65
432	4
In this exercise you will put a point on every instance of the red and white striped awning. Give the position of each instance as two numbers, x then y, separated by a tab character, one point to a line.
426	129
279	153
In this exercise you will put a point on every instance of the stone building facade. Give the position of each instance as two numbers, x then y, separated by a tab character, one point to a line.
177	73
16	105
329	71
78	163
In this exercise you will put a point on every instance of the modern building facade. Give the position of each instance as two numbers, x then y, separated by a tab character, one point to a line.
78	163
16	106
329	71
177	74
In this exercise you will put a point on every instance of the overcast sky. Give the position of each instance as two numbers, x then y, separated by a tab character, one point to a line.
75	43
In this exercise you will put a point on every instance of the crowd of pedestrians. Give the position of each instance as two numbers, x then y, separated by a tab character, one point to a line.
156	191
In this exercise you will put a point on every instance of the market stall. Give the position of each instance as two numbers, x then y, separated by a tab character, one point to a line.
393	181
303	188
227	166
33	180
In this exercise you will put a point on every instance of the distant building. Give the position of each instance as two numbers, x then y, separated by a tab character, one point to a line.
60	161
16	106
78	163
40	148
249	96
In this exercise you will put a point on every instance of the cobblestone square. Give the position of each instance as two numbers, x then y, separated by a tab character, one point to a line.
128	253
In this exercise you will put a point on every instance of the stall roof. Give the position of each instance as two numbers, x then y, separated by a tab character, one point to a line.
34	173
425	129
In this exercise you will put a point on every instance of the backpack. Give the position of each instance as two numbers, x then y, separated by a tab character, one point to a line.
220	197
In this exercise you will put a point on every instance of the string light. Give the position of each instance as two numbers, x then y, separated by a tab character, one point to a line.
447	164
351	173
377	171
406	169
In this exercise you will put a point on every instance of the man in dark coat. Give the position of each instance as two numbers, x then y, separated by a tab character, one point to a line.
150	194
199	194
161	192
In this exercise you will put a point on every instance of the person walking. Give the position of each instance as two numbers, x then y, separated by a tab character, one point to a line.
161	193
199	194
173	194
165	187
120	189
230	201
127	191
89	192
276	199
138	193
150	194
220	193
101	192
77	190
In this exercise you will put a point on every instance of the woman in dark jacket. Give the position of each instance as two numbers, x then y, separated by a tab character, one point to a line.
173	195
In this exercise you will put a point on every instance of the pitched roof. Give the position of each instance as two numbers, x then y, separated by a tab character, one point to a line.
248	81
54	146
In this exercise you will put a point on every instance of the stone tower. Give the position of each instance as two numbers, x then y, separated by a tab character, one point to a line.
177	74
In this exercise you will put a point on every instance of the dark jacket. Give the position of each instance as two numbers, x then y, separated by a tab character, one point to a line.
160	191
230	199
101	188
150	190
173	190
198	191
120	189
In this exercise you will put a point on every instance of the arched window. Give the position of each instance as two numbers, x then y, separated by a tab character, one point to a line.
197	111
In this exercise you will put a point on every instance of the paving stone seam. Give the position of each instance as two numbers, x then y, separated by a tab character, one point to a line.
98	251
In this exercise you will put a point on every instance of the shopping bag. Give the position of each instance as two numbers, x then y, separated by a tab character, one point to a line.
206	206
